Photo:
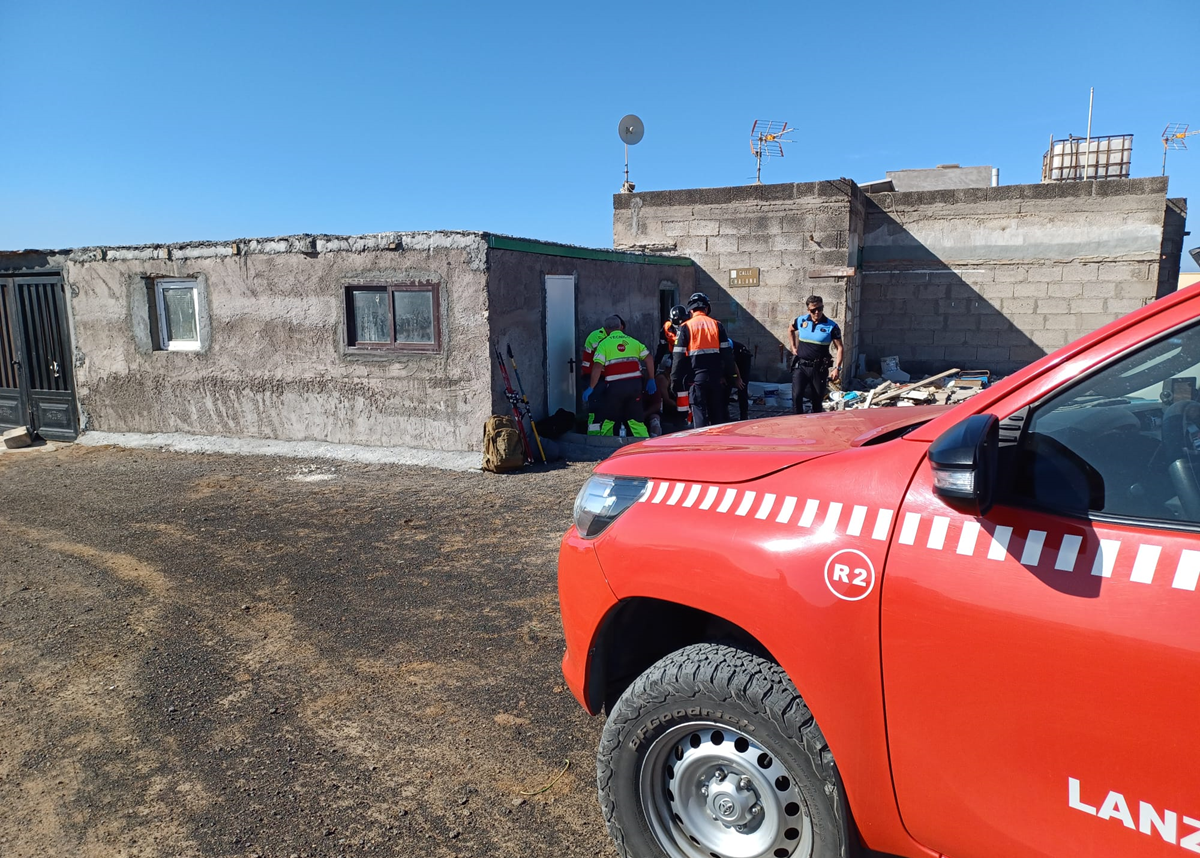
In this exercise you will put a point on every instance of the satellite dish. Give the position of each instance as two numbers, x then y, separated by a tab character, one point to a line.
631	129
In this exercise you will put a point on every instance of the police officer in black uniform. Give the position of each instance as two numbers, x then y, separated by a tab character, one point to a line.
813	367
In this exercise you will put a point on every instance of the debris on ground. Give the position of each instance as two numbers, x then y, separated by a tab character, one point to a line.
946	388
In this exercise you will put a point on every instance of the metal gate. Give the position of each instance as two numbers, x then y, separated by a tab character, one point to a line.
36	384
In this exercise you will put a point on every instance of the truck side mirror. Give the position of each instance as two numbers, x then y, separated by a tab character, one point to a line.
964	460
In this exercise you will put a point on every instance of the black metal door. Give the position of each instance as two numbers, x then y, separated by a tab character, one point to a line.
36	385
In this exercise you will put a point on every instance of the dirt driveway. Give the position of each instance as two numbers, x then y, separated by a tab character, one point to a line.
218	655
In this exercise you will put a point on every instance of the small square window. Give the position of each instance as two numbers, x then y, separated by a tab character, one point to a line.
394	316
177	304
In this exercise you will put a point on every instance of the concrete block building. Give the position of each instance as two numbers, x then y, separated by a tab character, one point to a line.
975	277
385	339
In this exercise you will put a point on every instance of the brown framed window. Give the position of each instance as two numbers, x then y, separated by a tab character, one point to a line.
394	316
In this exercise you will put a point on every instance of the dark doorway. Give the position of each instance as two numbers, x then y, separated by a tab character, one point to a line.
36	383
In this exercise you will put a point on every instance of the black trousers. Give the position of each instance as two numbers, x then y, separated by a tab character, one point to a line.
709	403
811	382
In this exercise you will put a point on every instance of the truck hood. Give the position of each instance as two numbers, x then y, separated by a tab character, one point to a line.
735	452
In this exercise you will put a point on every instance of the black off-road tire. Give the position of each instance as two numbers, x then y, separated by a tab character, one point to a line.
713	693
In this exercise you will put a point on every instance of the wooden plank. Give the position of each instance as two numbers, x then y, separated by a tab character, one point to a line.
892	394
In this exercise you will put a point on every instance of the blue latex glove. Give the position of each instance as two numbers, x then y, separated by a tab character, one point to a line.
587	394
651	387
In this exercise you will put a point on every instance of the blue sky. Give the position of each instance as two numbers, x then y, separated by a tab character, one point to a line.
139	122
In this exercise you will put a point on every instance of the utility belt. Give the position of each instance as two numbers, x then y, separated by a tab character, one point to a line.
818	363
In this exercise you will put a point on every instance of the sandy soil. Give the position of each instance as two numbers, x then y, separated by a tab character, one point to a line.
227	655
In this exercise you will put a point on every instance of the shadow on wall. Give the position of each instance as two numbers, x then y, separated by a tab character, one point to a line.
934	317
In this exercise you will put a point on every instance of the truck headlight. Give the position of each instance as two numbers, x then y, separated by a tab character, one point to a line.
602	499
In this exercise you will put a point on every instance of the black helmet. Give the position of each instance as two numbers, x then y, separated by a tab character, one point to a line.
679	314
699	301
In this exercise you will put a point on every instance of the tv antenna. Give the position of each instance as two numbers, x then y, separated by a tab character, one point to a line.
630	130
766	139
1175	136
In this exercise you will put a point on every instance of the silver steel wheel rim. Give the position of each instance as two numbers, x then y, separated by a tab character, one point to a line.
709	791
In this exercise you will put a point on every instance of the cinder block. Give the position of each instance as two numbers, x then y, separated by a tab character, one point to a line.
992	353
704	227
1012	337
998	290
931	292
1064	290
931	321
1084	271
1053	305
1051	339
962	322
1038	290
1088	322
1045	273
722	243
1026	354
676	228
926	353
733	260
992	321
796	259
916	337
1099	290
963	357
985	337
1028	322
1124	271
1011	274
735	226
754	243
1120	306
1062	322
14	439
950	337
692	244
1087	305
1013	306
789	241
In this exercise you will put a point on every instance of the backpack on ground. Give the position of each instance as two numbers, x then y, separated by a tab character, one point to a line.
502	448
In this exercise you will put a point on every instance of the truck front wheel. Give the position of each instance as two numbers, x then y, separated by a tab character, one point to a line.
711	753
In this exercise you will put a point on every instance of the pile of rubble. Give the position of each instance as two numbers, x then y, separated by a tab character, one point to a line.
945	388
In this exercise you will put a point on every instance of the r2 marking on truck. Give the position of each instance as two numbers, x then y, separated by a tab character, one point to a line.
850	575
1062	550
1149	822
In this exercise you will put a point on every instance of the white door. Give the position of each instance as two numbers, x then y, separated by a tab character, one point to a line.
562	361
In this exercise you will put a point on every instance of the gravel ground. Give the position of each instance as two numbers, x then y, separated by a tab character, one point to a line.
234	655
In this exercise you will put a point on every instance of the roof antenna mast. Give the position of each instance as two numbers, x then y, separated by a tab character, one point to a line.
766	139
630	130
1175	136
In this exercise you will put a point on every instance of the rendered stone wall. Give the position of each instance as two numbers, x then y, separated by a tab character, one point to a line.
275	362
795	234
995	278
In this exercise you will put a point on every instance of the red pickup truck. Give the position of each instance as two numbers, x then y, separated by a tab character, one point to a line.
926	631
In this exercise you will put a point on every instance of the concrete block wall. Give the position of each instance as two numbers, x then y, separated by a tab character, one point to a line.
789	232
995	278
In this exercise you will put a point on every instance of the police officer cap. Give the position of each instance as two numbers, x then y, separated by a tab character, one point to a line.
698	301
679	314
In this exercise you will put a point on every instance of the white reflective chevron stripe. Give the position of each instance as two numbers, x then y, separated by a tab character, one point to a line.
692	495
937	533
857	516
810	513
646	491
764	509
709	498
908	533
622	376
998	550
1067	552
1032	554
676	495
883	523
727	501
786	510
747	500
831	518
662	490
966	540
1188	572
1106	558
1145	564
